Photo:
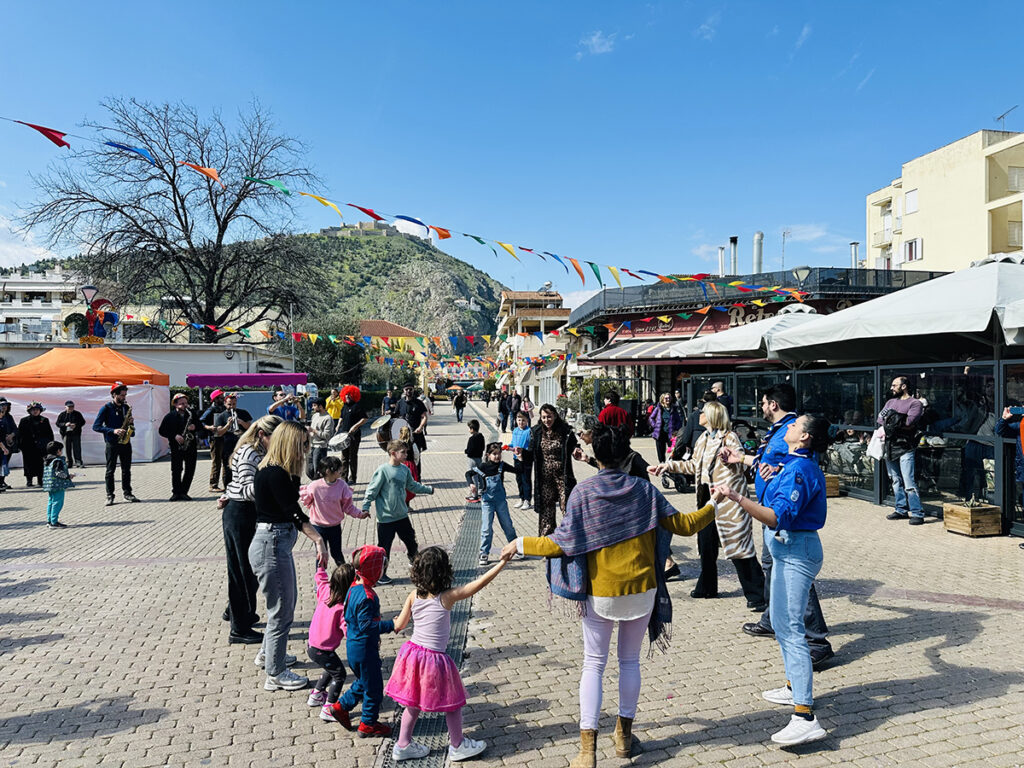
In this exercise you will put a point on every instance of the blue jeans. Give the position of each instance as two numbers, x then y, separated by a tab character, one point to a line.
54	506
797	559
904	487
368	685
488	509
458	414
270	556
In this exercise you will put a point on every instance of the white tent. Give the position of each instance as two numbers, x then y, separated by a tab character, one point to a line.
940	317
750	340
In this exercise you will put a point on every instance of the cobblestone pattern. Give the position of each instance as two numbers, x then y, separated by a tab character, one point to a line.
114	654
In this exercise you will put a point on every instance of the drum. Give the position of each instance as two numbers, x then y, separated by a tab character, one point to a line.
389	430
340	442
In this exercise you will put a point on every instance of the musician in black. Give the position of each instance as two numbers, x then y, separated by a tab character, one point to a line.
352	418
110	422
35	433
70	423
413	410
219	461
229	425
179	427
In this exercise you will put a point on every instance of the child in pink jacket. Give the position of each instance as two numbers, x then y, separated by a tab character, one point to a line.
328	500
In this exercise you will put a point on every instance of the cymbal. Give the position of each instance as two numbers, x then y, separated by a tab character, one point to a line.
380	421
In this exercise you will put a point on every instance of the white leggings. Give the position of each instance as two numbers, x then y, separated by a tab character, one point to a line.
597	635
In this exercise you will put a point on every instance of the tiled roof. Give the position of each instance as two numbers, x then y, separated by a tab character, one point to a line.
385	328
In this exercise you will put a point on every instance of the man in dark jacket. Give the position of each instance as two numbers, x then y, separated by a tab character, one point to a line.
70	423
179	427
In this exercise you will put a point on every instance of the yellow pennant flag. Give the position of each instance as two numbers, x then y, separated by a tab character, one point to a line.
145	321
615	274
487	338
313	337
229	329
573	331
759	302
324	202
665	318
508	248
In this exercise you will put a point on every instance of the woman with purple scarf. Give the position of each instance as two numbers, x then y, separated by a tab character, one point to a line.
606	556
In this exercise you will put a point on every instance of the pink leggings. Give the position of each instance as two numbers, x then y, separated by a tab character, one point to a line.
409	717
597	635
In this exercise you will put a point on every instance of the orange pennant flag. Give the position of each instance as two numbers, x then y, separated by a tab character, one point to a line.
703	310
442	233
508	248
576	266
210	173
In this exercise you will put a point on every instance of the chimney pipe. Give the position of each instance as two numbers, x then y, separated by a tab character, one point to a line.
758	251
734	265
854	261
721	261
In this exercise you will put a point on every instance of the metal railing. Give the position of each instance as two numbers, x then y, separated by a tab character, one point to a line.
884	237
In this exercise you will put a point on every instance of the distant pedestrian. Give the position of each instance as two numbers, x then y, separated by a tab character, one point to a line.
70	423
718	388
665	421
424	677
9	444
899	418
504	406
613	415
56	480
353	417
459	404
218	460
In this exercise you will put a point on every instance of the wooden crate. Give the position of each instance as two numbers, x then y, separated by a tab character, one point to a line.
831	485
973	521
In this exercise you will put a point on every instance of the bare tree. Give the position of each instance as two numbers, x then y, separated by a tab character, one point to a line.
166	234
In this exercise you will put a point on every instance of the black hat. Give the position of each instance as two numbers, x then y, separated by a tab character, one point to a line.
70	402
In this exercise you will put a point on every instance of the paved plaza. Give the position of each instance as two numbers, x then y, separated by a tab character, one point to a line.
114	652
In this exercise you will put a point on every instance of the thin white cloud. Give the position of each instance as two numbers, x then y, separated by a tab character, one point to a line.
596	44
773	31
848	66
805	233
709	28
574	299
804	34
17	249
864	82
705	252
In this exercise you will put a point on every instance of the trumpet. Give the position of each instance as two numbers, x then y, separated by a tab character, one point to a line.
128	426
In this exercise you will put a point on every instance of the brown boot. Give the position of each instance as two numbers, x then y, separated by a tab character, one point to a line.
625	741
587	758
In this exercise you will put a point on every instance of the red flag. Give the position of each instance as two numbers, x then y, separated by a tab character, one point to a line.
470	339
442	233
297	336
212	328
646	319
55	136
368	211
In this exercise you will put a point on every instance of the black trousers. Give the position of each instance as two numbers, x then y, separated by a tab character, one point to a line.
183	468
238	520
350	461
386	533
331	534
334	672
747	569
116	452
219	463
73	447
661	443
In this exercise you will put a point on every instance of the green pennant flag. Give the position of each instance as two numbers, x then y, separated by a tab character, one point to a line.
503	336
245	332
334	339
420	340
684	316
597	272
270	183
588	328
780	298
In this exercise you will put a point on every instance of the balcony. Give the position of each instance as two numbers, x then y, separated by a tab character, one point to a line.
879	239
897	224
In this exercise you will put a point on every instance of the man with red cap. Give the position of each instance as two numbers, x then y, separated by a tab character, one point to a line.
219	463
111	423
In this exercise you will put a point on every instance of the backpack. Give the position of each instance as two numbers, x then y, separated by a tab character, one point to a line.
55	475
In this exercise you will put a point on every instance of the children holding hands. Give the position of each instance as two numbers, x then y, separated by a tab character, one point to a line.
328	500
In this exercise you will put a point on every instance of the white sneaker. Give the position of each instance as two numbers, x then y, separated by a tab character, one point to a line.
527	505
783	695
471	748
316	698
287	681
484	561
261	659
414	751
799	731
327	713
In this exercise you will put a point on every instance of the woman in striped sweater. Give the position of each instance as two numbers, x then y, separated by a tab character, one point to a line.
606	556
732	529
239	522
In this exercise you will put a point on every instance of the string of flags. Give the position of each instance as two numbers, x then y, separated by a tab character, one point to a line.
414	226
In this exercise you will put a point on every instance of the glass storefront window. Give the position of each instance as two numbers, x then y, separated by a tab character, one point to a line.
959	400
749	389
1014	389
847	457
844	397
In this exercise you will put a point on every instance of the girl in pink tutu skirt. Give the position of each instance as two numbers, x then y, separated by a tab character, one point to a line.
424	678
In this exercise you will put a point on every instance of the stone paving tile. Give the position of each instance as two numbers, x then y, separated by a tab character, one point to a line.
114	652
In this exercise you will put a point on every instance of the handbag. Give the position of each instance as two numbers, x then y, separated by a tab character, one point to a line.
875	449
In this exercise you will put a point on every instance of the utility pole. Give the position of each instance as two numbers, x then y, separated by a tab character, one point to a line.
785	233
291	330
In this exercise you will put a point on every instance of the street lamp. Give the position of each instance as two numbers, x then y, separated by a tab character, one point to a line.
801	274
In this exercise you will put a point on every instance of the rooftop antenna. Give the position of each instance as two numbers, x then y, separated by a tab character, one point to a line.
1002	118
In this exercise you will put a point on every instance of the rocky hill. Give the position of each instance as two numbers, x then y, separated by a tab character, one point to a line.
406	281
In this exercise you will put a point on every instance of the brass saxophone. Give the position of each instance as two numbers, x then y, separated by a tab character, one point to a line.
190	435
128	426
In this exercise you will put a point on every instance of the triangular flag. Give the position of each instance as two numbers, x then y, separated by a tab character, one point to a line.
684	315
615	274
313	337
665	318
559	260
646	319
703	310
628	324
588	328
137	150
270	183
333	339
610	326
210	173
631	274
539	335
508	248
368	339
326	203
266	334
573	331
297	336
487	339
576	266
535	253
368	211
470	339
455	341
442	234
759	302
597	273
55	136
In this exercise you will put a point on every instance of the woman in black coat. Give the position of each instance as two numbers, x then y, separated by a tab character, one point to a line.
35	432
552	443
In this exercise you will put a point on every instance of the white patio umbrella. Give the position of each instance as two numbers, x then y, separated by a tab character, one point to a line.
938	318
750	340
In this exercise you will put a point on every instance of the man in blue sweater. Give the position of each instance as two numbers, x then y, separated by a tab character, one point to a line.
110	422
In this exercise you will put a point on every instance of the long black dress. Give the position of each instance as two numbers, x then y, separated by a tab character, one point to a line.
35	433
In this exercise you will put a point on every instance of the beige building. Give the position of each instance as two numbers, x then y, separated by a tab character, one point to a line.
522	315
950	207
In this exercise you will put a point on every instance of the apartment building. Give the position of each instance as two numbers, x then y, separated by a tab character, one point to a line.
950	207
522	315
33	304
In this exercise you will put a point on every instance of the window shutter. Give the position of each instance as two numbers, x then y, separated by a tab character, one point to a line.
911	201
1015	178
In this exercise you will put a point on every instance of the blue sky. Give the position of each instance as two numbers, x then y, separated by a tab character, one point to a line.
641	135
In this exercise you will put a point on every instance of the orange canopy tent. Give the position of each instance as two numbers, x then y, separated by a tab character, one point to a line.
74	367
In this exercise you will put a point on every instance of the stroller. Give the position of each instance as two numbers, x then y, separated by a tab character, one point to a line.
685	483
